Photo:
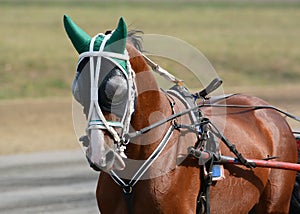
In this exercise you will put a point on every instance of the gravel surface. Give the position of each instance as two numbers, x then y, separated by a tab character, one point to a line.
50	182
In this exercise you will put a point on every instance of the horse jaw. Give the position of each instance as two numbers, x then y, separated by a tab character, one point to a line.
101	155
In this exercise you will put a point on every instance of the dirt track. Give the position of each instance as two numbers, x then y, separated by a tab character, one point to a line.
52	182
36	125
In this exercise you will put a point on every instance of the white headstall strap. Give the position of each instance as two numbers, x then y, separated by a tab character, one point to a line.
132	94
104	54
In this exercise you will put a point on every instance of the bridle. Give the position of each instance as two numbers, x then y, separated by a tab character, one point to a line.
95	118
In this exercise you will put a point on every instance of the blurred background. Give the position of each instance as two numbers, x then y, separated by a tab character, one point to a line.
253	45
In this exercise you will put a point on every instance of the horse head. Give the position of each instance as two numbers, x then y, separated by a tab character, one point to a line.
104	86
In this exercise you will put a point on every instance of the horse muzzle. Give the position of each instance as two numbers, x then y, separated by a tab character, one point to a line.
113	162
100	156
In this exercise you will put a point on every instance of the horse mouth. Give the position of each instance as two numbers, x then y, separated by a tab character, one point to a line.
100	153
110	160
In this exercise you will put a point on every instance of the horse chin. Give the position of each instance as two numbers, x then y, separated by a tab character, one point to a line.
111	161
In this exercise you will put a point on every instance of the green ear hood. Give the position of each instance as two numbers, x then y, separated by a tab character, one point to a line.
81	40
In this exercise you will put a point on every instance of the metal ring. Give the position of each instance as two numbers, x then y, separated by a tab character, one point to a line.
127	189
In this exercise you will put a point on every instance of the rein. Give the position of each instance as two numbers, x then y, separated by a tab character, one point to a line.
130	135
156	68
253	108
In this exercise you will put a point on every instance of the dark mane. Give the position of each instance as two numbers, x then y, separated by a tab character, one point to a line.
135	38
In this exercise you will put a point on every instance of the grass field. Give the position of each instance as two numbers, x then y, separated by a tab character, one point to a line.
247	43
254	47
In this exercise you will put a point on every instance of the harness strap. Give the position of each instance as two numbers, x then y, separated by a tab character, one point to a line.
104	54
203	199
128	188
156	68
253	108
128	194
159	123
208	182
231	146
142	170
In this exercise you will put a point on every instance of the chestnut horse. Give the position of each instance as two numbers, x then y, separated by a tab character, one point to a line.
171	183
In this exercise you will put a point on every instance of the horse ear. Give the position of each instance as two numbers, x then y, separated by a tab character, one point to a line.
117	41
78	37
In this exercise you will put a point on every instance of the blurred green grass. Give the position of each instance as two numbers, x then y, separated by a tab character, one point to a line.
249	44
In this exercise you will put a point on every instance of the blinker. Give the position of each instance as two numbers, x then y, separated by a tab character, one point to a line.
113	93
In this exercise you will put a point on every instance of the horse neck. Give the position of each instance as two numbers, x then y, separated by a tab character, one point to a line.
151	106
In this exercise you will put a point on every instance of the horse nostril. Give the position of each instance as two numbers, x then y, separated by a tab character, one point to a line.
110	156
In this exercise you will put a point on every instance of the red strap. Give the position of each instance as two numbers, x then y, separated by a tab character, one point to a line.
298	143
